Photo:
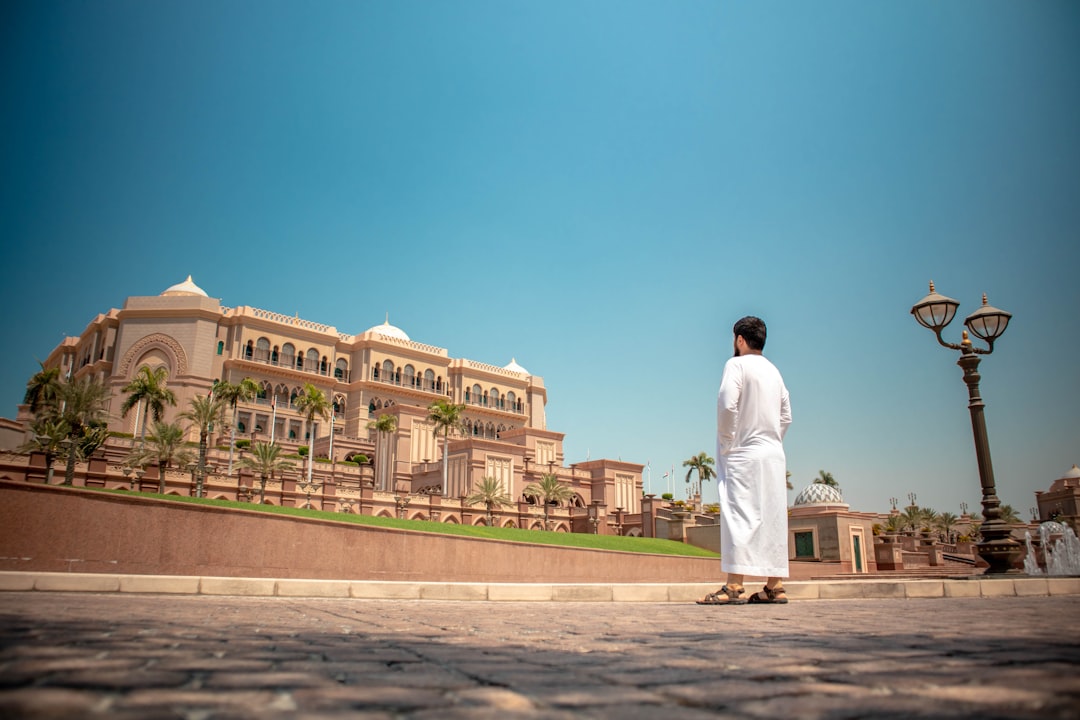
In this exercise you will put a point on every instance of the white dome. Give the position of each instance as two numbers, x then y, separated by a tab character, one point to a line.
515	367
389	330
819	494
1074	473
188	287
1053	527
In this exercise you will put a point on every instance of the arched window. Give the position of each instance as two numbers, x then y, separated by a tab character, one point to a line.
262	390
262	349
489	430
240	427
388	371
341	368
312	360
477	394
511	400
274	354
323	365
292	434
288	354
429	380
220	346
371	409
249	350
410	375
293	395
493	394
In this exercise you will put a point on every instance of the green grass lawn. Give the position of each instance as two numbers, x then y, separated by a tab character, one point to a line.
579	540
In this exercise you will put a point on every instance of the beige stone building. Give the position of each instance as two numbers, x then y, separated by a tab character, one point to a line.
379	371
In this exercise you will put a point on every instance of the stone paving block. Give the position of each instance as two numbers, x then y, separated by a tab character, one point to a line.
237	586
453	591
48	702
1030	587
76	582
962	589
639	593
996	587
581	593
924	588
385	590
159	584
519	592
1063	585
363	697
689	593
861	589
16	581
313	588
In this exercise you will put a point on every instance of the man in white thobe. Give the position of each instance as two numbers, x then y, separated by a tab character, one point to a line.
752	415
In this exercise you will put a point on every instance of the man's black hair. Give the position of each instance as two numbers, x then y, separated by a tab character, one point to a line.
752	330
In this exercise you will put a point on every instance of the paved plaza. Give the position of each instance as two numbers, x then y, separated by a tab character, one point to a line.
202	657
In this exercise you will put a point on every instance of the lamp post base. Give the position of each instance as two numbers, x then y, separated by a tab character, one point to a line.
1000	553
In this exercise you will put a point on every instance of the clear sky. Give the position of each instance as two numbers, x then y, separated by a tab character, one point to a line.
597	189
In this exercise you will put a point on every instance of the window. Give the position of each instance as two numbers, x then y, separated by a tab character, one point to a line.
804	544
274	354
312	360
511	400
341	368
288	354
262	350
220	346
429	380
249	350
494	395
388	371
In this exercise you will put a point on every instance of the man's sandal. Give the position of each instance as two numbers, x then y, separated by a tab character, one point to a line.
769	596
724	596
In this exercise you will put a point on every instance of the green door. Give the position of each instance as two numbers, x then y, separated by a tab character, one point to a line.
857	540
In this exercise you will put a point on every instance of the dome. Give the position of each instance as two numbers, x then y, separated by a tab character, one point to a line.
1052	527
1074	473
188	287
389	330
819	494
515	367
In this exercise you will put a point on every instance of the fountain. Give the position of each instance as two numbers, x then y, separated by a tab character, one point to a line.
1062	555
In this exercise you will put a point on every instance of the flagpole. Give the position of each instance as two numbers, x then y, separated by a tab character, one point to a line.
273	421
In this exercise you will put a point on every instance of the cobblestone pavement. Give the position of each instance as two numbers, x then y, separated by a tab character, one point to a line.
198	657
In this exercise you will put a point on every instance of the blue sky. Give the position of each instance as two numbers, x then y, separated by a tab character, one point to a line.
598	189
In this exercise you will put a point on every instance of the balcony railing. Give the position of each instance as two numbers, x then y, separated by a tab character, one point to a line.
414	382
290	362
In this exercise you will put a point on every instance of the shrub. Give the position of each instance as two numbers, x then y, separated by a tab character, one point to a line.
359	459
117	434
666	496
241	444
303	450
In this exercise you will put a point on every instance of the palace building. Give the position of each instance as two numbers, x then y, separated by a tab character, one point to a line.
380	371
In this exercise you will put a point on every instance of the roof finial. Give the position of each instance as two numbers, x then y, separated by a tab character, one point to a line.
931	286
387	318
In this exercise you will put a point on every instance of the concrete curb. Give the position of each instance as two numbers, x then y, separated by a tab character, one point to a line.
1019	586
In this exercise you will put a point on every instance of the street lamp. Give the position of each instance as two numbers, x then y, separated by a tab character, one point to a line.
987	323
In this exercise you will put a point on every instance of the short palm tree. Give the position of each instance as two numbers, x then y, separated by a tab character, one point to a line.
385	426
203	413
826	478
82	409
549	491
912	517
48	438
148	390
42	389
895	523
446	416
703	465
312	403
945	522
1008	515
265	459
164	447
231	394
489	491
928	518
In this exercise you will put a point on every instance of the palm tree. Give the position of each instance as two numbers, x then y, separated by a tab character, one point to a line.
312	403
1008	515
446	416
928	518
703	464
165	447
231	394
490	492
147	389
204	412
82	410
265	460
42	389
48	438
826	478
895	523
912	518
386	426
946	521
787	480
548	491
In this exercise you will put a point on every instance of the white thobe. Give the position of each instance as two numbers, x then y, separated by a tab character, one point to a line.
752	415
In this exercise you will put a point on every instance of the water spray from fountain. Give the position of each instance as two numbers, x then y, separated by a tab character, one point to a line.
1062	556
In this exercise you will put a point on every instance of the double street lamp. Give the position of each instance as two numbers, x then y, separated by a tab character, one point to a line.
934	312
